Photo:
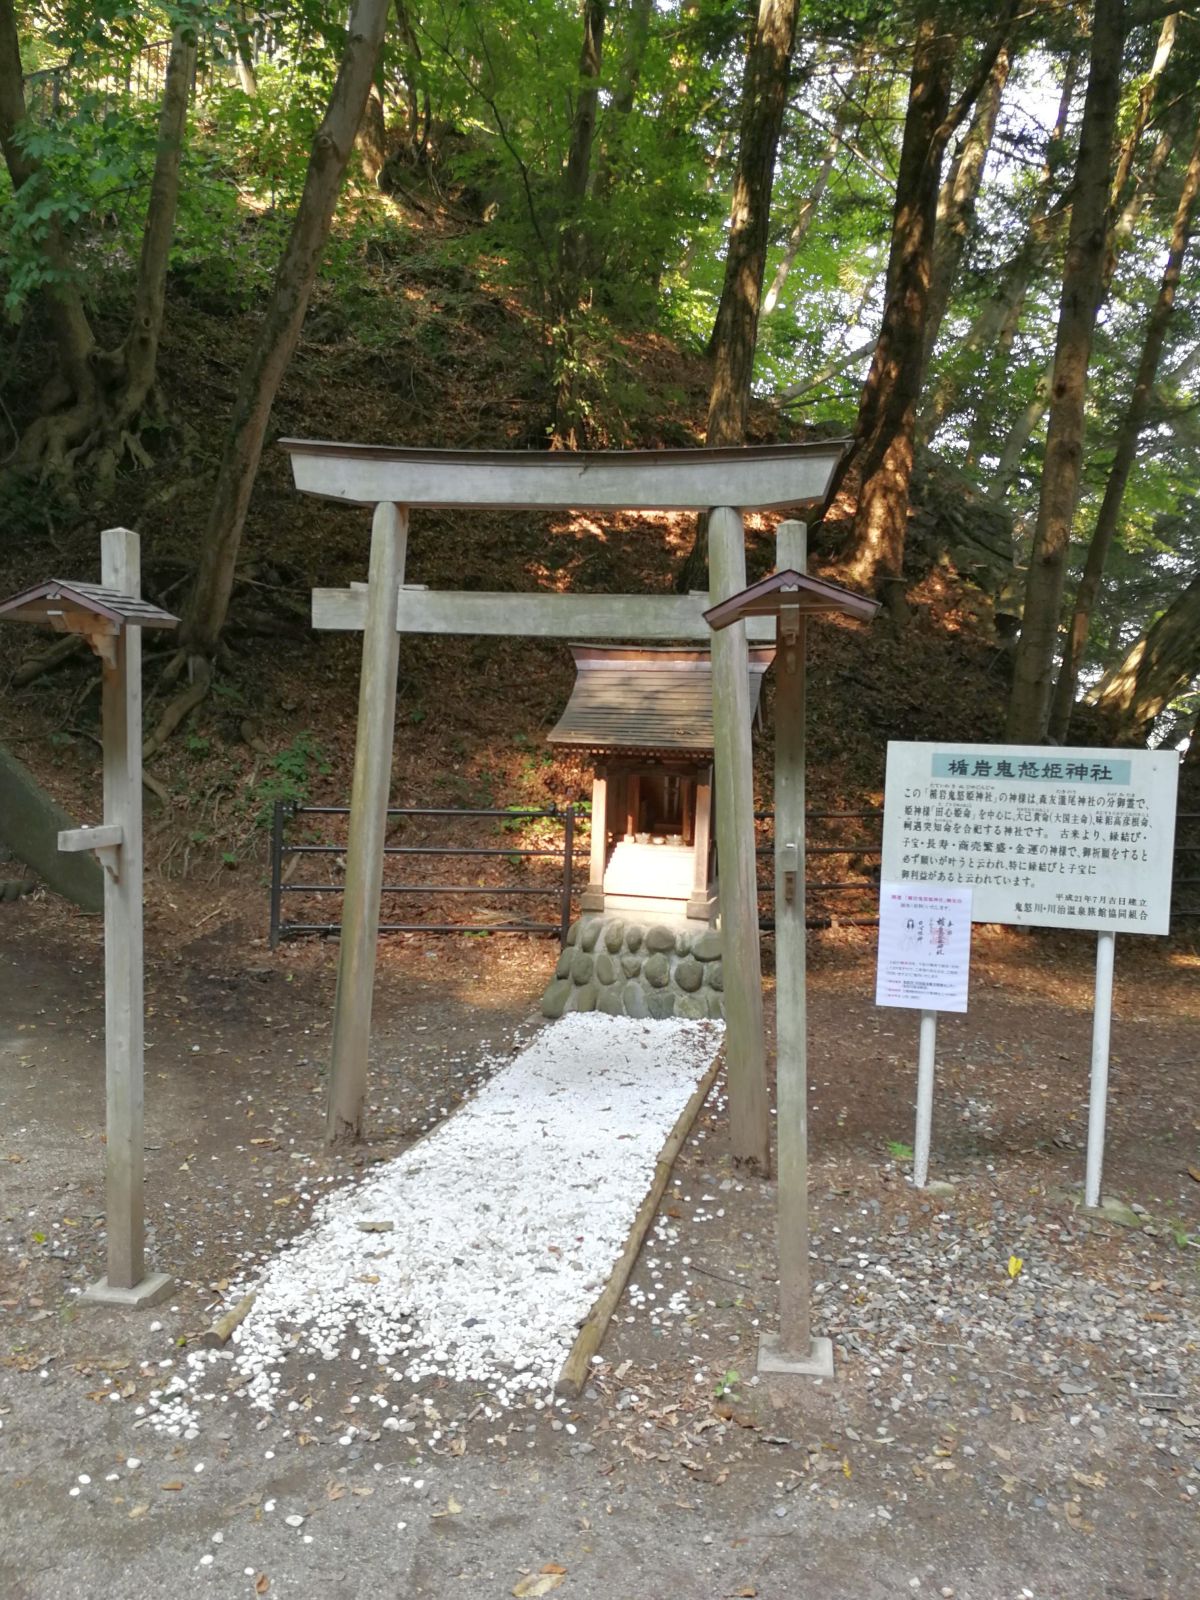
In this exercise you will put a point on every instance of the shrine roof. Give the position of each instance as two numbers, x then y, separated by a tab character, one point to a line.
638	698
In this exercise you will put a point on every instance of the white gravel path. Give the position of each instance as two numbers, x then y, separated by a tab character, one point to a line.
506	1221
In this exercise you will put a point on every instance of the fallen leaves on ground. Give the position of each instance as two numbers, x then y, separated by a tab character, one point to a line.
539	1583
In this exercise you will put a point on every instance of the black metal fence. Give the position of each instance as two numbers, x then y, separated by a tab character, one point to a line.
1185	902
848	842
843	853
508	862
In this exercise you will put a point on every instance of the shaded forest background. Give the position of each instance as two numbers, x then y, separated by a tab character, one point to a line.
962	238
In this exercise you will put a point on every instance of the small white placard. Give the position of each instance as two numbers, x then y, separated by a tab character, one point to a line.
924	946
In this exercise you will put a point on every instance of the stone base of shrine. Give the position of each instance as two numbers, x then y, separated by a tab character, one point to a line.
630	967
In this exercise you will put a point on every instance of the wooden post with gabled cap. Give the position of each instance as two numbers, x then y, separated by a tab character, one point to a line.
791	596
110	616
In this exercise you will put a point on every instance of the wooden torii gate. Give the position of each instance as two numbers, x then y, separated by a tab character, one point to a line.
725	483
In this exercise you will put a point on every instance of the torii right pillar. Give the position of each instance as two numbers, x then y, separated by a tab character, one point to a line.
745	1052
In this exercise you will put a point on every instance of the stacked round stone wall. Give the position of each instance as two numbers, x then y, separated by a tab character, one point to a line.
637	969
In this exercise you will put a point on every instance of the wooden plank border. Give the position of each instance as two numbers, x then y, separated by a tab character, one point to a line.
576	1367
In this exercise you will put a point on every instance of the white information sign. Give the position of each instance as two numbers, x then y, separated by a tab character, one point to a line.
924	946
1045	837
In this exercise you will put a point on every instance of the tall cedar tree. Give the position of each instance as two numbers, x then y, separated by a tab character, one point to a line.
882	458
208	603
1083	275
735	331
1128	434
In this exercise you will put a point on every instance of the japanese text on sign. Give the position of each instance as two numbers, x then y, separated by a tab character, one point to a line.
924	947
1065	839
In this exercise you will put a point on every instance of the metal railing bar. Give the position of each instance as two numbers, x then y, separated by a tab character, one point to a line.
426	888
435	811
427	850
828	850
426	927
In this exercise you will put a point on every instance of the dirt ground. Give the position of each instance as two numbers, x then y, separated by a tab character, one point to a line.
1014	1411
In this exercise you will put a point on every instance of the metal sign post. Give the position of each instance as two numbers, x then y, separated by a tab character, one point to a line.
926	1056
1106	945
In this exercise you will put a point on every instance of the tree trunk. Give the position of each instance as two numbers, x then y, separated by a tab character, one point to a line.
372	135
410	69
1120	231
141	346
1026	423
735	332
242	37
208	602
956	202
102	395
1019	434
625	92
577	171
1127	153
72	333
1160	666
1002	310
1033	668
569	415
1128	435
887	409
881	468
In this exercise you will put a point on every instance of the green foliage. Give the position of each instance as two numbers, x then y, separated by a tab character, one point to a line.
290	778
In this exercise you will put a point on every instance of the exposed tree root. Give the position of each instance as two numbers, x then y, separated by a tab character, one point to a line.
180	707
61	650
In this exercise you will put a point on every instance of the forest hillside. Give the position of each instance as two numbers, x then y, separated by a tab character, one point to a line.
963	242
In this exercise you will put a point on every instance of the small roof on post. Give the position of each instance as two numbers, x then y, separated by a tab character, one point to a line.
790	591
749	478
98	614
74	607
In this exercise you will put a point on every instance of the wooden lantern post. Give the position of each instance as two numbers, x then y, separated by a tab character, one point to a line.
110	616
791	597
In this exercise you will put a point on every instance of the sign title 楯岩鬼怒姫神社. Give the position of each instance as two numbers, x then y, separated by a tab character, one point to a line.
1043	838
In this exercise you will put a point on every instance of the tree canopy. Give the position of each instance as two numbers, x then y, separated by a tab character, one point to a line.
964	237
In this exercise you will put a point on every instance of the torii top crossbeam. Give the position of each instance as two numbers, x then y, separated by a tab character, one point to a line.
723	482
772	477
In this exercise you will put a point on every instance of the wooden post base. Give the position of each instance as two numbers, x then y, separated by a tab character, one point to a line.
155	1286
776	1362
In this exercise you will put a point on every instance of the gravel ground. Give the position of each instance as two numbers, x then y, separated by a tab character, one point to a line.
1014	1411
478	1253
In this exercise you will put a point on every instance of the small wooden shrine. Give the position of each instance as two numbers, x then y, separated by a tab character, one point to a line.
647	941
644	714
